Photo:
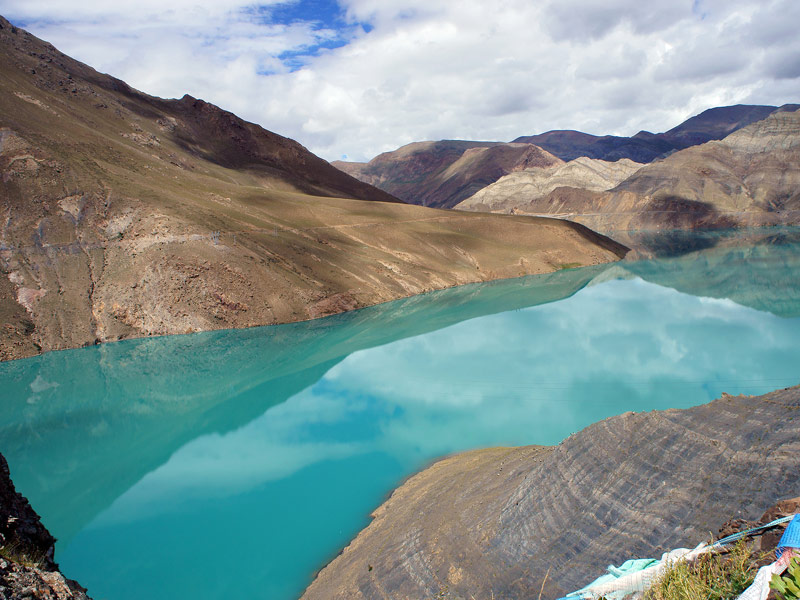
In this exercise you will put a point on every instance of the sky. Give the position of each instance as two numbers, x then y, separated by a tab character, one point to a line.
352	78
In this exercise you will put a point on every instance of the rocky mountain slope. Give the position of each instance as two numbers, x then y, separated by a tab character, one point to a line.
511	522
644	147
508	192
750	178
433	174
442	174
27	569
124	215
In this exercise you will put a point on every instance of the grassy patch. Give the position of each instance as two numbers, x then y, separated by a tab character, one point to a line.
710	577
13	552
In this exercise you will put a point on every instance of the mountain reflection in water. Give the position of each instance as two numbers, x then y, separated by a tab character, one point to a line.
227	462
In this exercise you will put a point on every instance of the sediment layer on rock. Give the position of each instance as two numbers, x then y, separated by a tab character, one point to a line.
518	188
499	522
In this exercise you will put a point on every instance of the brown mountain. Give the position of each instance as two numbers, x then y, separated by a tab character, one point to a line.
751	177
444	173
520	522
644	147
515	189
125	215
447	172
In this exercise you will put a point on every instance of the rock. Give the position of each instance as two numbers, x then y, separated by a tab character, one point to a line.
442	174
516	190
27	569
632	486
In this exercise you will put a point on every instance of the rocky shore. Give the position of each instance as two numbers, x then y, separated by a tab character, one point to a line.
511	522
27	569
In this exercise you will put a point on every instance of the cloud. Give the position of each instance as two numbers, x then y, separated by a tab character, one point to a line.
365	76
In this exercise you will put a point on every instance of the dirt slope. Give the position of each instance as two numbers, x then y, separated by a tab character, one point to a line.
522	187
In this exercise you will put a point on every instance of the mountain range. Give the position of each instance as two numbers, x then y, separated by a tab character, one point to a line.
749	178
698	174
124	215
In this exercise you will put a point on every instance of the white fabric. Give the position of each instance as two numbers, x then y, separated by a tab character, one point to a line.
759	589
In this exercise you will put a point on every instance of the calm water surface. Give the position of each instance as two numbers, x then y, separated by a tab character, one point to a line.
239	462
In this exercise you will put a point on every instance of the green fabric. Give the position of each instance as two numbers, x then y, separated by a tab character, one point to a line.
633	565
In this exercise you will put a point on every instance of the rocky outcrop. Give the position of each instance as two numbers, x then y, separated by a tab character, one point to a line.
442	174
124	215
512	523
516	190
645	147
27	569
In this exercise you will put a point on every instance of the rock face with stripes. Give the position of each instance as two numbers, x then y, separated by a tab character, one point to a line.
511	523
512	192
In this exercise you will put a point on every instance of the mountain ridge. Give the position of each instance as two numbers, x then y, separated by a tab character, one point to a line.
123	215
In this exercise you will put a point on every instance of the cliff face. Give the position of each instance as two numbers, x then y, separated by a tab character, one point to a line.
27	569
498	522
124	215
442	174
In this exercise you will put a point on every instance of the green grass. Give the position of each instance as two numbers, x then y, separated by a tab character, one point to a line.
710	577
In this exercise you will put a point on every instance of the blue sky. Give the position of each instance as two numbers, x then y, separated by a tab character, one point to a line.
359	77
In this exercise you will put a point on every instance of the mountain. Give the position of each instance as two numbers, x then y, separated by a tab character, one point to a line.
644	147
521	522
717	123
508	192
123	215
569	145
442	174
749	178
447	172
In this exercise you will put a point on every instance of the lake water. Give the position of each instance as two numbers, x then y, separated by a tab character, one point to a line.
238	462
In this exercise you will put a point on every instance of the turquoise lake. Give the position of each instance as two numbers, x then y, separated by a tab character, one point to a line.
236	463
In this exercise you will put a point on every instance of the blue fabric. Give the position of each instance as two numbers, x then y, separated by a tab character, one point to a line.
790	537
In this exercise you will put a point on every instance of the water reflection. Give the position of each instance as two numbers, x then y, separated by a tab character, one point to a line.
238	462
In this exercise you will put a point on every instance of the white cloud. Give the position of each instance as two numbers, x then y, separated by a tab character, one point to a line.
428	70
